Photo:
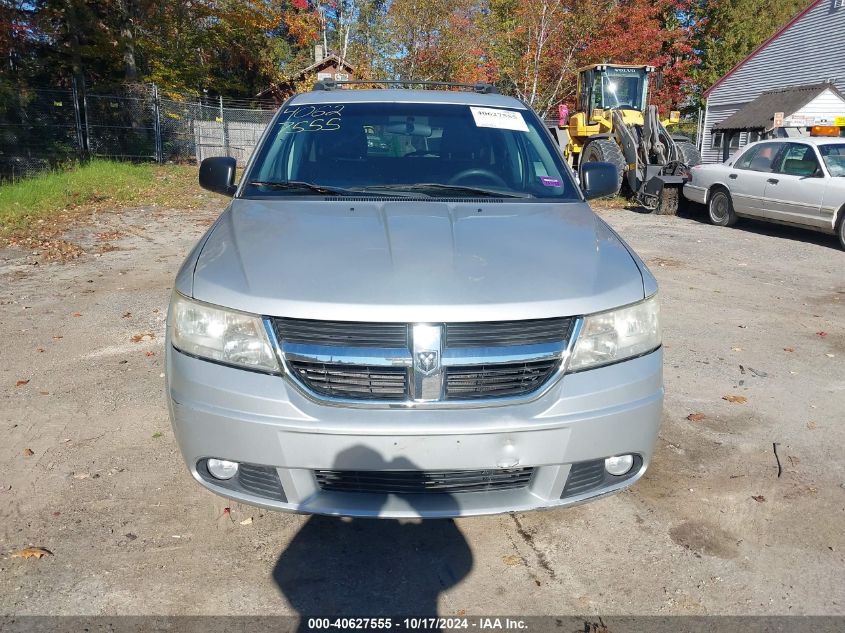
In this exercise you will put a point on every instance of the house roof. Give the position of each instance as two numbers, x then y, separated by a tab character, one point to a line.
760	48
759	114
326	61
287	83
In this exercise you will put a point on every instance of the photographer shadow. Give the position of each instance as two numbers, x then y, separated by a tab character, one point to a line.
342	567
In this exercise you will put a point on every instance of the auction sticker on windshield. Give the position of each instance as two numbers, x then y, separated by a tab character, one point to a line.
499	119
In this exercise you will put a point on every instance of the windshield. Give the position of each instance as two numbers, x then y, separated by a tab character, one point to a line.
431	150
621	88
834	158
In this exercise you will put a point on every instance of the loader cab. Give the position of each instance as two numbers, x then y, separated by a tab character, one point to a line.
605	86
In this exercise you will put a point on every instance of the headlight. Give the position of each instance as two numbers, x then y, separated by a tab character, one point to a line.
609	337
221	335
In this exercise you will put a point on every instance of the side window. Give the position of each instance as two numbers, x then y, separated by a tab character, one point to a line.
763	157
798	160
745	160
598	101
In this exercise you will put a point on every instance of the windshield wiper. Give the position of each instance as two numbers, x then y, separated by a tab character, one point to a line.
284	185
440	186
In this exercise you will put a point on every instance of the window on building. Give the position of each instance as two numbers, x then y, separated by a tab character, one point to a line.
716	141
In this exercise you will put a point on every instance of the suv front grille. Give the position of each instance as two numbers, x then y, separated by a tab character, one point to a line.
499	333
422	363
354	381
423	481
496	381
342	333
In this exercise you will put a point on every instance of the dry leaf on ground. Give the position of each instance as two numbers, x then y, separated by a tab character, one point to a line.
735	399
512	560
32	552
247	521
21	383
28	452
822	334
696	417
758	498
137	338
788	349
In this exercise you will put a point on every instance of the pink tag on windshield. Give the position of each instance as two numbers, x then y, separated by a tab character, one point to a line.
548	181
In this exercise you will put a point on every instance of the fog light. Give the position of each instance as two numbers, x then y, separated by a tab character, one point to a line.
619	465
221	468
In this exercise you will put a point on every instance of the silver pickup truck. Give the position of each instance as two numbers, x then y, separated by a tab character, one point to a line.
408	309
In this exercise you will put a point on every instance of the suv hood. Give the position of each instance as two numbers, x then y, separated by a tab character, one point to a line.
414	261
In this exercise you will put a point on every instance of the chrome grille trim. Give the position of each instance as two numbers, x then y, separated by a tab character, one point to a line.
302	361
423	481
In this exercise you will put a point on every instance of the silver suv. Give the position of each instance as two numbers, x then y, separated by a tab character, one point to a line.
408	309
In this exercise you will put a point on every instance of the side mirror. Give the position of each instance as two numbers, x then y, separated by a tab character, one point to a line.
599	180
217	174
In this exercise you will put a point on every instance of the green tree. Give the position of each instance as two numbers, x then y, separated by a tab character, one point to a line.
729	30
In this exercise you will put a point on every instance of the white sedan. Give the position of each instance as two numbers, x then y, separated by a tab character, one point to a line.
799	182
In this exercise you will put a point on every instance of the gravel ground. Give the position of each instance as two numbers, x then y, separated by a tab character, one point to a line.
754	311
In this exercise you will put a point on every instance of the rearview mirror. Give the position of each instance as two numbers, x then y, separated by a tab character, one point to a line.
217	174
409	129
599	180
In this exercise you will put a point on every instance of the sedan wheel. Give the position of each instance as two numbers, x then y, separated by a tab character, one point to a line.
721	209
842	230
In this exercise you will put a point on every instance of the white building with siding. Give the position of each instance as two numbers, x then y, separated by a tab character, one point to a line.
810	49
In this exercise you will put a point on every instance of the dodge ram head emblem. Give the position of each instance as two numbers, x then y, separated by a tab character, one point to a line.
427	362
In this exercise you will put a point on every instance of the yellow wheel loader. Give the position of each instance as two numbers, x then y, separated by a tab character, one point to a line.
614	123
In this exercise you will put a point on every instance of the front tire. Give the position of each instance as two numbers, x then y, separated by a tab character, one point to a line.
841	231
721	208
670	201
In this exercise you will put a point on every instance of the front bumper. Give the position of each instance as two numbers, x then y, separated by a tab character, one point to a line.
243	416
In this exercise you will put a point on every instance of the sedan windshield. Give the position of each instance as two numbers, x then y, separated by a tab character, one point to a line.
409	149
834	158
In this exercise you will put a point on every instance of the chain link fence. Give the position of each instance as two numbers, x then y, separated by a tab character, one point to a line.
200	131
39	129
44	128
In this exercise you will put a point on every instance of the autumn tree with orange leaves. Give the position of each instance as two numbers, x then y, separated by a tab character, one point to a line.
529	48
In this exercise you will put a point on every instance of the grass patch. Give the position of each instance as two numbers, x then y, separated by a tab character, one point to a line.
95	186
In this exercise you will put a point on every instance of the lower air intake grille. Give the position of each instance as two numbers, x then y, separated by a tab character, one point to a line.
422	481
359	382
254	479
591	476
583	477
262	481
498	380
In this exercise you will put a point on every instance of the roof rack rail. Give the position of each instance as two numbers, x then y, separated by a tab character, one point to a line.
481	87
